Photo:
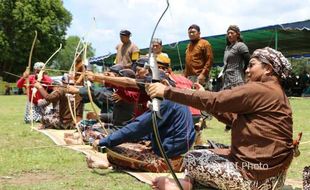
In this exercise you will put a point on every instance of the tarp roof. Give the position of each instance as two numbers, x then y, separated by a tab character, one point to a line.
292	39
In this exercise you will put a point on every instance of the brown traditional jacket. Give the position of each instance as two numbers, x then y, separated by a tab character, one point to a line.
199	58
261	120
59	94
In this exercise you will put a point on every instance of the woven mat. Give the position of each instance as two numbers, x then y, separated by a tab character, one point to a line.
58	135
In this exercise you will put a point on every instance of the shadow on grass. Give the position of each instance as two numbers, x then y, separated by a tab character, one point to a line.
104	172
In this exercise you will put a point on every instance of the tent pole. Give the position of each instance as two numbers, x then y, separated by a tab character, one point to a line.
276	39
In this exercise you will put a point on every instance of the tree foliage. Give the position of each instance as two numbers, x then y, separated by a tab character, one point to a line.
18	21
65	58
300	66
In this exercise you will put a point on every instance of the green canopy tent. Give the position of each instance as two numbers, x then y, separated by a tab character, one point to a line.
292	39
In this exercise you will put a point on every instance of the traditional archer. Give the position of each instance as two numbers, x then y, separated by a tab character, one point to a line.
37	110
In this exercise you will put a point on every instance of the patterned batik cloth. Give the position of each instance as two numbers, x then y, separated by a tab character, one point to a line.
50	120
140	157
306	178
37	112
211	170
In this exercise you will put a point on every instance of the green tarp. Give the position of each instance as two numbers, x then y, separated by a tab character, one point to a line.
291	39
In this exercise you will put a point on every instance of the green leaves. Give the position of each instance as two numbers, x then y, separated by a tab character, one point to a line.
19	19
65	58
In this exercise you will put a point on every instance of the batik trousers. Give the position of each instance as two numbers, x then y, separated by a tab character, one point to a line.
211	170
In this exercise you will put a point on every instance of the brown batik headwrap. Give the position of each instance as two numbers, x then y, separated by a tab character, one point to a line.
234	28
281	66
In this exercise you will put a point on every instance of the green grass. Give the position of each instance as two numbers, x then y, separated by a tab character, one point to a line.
22	166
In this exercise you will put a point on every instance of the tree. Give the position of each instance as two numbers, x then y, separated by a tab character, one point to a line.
300	65
18	21
65	58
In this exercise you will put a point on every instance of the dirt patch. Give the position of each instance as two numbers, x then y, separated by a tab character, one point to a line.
29	178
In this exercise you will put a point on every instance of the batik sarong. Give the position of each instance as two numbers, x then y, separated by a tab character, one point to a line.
211	170
50	120
37	112
140	157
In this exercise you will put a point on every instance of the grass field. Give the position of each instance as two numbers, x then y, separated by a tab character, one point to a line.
23	166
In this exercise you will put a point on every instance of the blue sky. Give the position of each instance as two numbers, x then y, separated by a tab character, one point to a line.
140	17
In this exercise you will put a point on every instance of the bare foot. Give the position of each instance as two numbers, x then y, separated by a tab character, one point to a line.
72	141
66	135
96	163
41	126
164	183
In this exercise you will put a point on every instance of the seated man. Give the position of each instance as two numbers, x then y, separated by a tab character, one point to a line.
261	137
176	131
114	110
65	100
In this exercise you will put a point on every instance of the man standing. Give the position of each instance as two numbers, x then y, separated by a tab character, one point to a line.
127	51
199	57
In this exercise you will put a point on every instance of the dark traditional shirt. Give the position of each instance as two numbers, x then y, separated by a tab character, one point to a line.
176	130
261	120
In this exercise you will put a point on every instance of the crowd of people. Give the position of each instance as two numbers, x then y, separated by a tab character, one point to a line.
251	102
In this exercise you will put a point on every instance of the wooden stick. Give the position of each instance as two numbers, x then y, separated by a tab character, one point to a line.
12	74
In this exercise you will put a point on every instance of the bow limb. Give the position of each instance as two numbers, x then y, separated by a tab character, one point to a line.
27	81
30	58
40	75
156	103
31	50
74	117
76	55
88	84
93	107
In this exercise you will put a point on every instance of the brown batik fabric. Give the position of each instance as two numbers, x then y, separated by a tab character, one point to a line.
139	156
51	121
211	170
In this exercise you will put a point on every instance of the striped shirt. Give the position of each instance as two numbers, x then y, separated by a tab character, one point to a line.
234	64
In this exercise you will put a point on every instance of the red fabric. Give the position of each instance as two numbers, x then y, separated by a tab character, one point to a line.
140	98
183	82
133	95
21	83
